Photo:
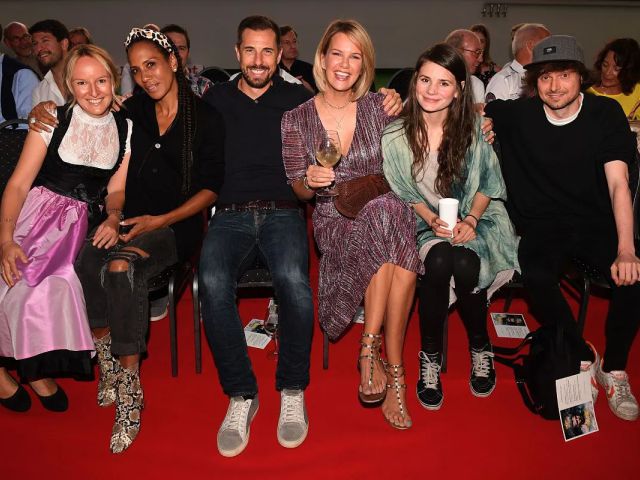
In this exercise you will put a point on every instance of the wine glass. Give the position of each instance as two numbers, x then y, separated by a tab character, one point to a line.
328	154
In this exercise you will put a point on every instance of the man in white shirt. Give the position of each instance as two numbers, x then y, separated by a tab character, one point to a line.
507	83
50	46
17	82
468	44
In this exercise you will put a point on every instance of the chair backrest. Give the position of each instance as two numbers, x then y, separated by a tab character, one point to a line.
400	82
215	74
11	141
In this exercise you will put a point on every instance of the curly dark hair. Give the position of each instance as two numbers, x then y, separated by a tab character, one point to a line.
458	129
626	53
186	112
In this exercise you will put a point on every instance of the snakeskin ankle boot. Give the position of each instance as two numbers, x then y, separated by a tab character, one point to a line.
129	404
109	368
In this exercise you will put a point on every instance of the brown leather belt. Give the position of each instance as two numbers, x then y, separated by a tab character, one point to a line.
259	205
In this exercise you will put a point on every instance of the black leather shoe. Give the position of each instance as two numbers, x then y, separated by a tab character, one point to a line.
18	402
58	402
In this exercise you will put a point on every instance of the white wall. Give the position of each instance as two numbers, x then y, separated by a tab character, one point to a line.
401	29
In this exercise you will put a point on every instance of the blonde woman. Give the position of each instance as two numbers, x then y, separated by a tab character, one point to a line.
372	256
78	174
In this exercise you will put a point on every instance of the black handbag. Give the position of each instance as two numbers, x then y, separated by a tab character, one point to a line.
550	358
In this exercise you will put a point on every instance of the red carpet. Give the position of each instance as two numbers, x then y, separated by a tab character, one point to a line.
469	437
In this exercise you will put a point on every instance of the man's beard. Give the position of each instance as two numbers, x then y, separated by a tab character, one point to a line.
252	83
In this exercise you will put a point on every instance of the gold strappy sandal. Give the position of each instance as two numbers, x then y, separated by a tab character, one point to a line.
374	357
394	372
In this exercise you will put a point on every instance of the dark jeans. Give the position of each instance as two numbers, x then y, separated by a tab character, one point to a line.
443	262
543	254
234	239
120	300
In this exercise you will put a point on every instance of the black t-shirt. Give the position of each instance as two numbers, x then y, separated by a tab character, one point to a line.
154	179
254	169
555	174
300	68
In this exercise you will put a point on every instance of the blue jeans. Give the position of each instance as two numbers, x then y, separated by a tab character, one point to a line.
234	239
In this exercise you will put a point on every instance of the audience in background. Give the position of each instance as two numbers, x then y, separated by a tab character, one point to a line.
566	160
79	36
180	38
18	39
617	71
17	82
436	151
508	83
50	46
488	68
468	45
289	61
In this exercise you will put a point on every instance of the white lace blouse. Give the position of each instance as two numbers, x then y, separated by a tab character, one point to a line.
90	141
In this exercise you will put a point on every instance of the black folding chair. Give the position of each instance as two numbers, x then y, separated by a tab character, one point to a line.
215	74
11	142
587	275
400	82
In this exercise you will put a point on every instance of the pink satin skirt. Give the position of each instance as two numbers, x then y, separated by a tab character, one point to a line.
45	310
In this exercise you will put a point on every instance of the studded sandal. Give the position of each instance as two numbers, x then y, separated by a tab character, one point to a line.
394	372
374	358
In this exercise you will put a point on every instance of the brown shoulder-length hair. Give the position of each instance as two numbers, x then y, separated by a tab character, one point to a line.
481	28
358	35
459	126
534	72
626	53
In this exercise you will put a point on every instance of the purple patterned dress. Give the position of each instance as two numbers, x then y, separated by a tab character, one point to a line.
352	249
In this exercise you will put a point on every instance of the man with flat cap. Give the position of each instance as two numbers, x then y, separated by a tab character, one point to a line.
566	161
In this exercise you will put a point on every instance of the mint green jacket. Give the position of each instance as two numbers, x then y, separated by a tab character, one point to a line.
496	243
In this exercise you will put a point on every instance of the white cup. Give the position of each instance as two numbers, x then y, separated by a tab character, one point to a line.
448	211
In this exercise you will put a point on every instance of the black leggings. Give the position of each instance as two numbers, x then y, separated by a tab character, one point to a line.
444	261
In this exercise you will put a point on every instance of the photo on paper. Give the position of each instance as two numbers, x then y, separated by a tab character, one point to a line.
256	335
575	404
510	325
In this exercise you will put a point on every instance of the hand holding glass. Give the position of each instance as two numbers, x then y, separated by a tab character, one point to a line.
328	154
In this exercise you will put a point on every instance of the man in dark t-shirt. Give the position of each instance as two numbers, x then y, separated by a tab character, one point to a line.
566	159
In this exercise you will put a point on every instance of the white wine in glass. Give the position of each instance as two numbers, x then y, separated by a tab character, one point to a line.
328	154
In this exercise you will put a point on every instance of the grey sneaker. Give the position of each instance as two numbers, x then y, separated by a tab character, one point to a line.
233	435
616	385
293	423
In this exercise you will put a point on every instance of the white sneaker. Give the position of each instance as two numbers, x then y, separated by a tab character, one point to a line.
293	423
591	367
233	435
616	385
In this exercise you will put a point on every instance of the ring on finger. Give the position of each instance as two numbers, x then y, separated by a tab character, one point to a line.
32	120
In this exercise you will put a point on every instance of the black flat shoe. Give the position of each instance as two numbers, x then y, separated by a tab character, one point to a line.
18	402
58	402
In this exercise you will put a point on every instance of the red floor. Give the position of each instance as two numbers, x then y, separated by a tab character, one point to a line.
468	438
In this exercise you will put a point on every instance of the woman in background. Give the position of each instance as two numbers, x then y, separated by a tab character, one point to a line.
617	68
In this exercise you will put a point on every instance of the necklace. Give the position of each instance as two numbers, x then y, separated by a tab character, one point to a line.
338	121
324	100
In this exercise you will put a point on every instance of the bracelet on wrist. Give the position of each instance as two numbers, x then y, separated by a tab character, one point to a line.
474	217
305	182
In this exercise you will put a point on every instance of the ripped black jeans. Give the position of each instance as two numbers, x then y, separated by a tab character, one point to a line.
120	300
